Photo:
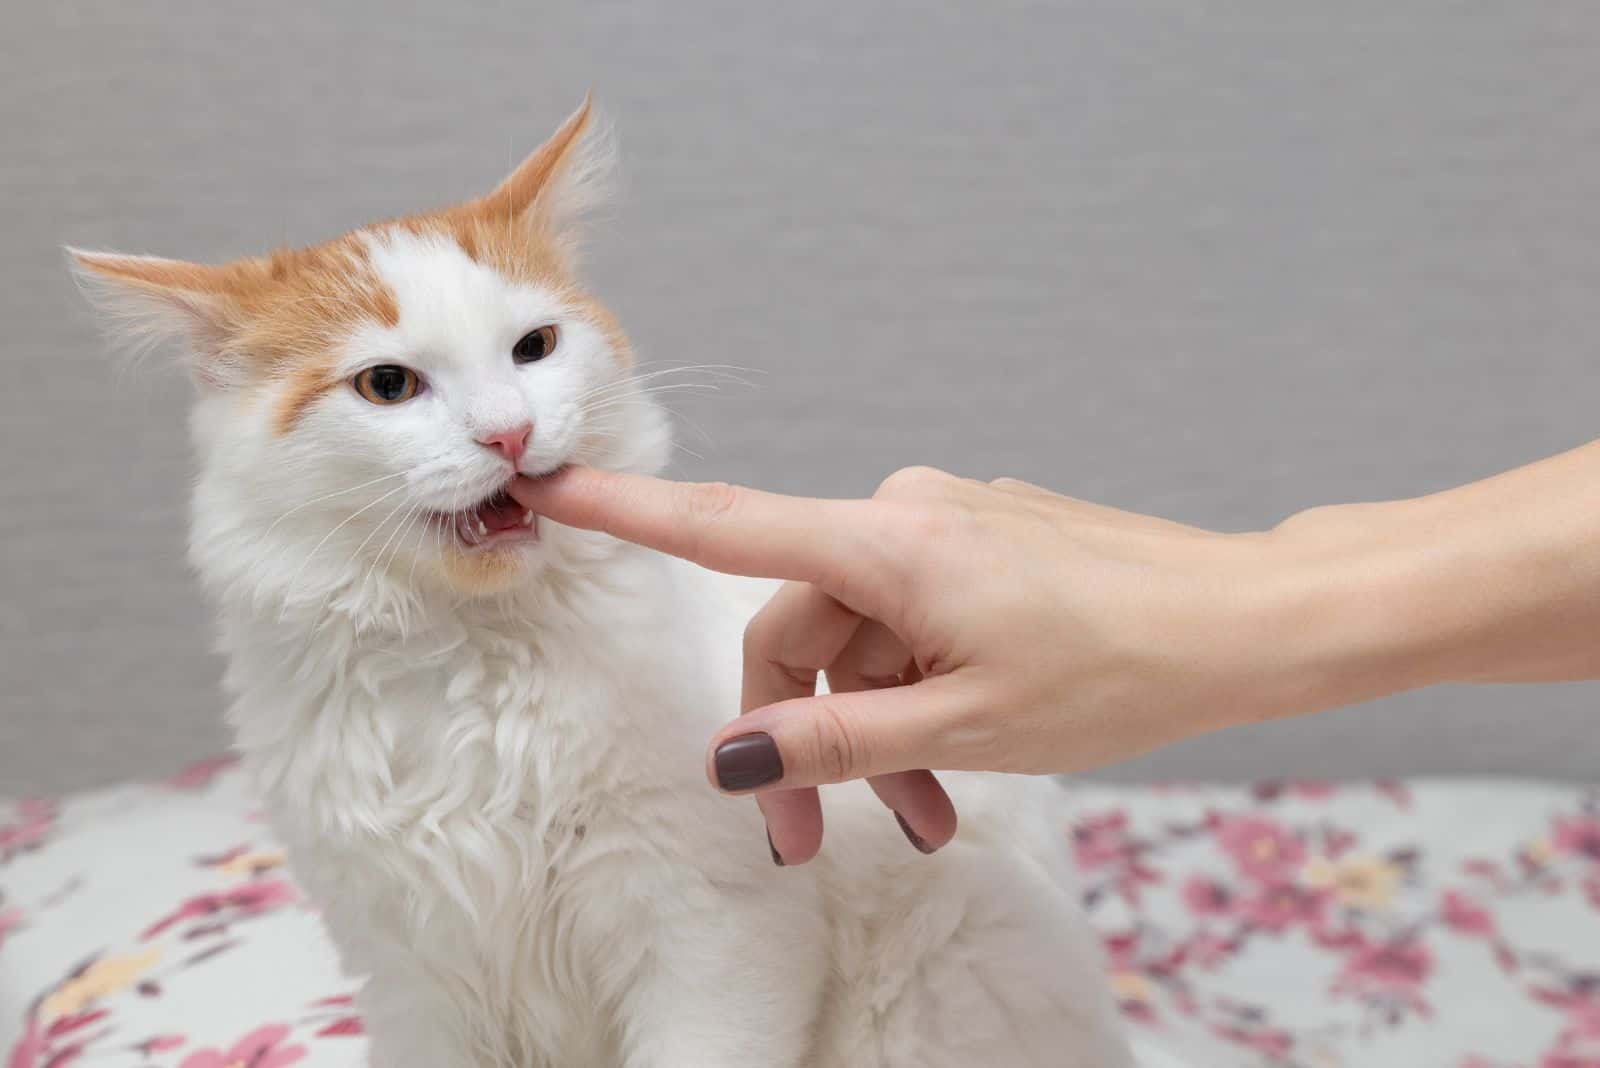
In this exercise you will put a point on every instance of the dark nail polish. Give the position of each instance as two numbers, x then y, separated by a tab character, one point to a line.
748	761
776	859
915	838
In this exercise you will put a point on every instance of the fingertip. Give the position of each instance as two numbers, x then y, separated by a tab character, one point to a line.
573	495
796	851
528	489
794	824
921	805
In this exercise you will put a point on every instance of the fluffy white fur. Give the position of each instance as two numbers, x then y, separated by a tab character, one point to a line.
499	797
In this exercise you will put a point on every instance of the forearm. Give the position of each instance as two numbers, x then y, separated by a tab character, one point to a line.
1496	581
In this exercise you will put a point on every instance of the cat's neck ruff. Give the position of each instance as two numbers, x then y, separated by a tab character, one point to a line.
529	689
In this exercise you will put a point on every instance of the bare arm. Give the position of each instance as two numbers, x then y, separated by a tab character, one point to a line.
1004	627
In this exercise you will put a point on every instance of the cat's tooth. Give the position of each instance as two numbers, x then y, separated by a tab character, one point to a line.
483	531
527	519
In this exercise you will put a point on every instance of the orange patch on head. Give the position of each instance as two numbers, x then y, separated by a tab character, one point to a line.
268	321
327	292
277	321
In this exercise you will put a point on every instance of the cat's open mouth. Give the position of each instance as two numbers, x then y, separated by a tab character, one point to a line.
496	520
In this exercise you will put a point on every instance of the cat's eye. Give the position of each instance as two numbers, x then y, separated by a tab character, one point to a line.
387	383
535	345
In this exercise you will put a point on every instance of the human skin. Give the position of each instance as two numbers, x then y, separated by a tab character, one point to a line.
1000	626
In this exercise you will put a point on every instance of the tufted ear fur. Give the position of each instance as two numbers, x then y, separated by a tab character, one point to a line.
560	180
274	311
148	300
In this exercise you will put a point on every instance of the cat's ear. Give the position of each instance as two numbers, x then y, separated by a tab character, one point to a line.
562	178
147	301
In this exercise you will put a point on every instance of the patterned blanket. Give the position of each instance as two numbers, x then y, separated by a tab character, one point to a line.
1284	925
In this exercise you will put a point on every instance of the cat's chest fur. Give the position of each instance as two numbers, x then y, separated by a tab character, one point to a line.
502	786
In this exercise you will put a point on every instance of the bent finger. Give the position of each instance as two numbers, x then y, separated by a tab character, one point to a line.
786	644
812	741
876	658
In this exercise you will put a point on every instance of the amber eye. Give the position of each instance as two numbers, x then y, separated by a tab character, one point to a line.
535	345
386	384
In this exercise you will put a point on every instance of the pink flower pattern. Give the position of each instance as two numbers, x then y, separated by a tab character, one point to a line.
262	1048
29	825
1261	850
1279	867
1195	891
252	899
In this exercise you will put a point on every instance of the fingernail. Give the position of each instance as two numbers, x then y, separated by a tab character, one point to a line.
776	859
915	838
748	761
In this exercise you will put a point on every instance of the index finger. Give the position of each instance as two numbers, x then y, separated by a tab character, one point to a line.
726	528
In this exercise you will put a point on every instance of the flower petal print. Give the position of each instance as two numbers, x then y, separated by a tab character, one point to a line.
159	1044
30	1047
1284	925
261	1048
1400	965
200	774
28	829
102	978
1464	916
1360	882
243	902
344	1025
1260	849
11	920
1577	836
1206	896
1281	906
1100	840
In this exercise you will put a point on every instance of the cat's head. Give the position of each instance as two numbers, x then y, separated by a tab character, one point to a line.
363	402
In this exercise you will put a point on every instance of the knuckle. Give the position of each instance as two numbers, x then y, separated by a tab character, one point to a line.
772	633
913	481
974	735
758	635
935	523
838	744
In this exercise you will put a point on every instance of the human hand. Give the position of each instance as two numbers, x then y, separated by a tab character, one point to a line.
961	625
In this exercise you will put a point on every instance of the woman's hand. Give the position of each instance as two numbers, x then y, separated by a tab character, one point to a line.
1003	627
960	625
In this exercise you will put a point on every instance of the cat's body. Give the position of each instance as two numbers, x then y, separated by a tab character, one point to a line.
484	748
545	878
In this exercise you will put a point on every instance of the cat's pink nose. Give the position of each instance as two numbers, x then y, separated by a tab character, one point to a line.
508	443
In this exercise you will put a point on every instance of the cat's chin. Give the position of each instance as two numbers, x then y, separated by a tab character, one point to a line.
493	567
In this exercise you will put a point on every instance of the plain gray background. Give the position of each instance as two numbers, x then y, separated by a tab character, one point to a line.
1214	262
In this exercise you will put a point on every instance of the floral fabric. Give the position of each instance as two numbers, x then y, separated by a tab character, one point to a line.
154	925
1307	925
1285	925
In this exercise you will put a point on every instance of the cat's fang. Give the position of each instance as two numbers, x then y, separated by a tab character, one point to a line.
527	519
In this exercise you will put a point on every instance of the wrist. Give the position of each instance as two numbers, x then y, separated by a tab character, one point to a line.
1351	607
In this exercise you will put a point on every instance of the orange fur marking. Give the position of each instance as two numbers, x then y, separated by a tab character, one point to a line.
279	318
481	572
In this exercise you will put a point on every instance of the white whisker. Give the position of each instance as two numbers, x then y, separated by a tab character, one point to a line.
329	496
295	578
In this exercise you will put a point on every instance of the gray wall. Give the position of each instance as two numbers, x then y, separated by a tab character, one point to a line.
1215	262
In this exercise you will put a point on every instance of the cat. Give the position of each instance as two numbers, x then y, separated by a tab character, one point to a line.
480	733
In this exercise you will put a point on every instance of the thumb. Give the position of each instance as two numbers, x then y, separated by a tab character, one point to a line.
835	737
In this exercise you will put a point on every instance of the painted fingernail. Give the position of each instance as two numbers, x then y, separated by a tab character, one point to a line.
915	838
748	761
776	859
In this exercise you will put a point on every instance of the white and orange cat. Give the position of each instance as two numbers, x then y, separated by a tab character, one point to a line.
481	734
